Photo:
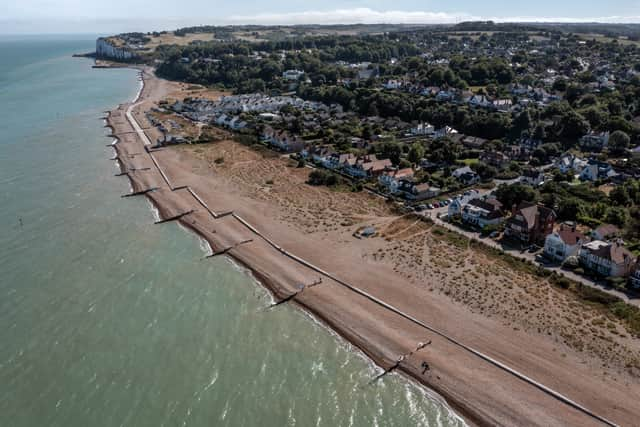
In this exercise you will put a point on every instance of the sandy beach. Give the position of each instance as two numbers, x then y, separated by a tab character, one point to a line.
255	207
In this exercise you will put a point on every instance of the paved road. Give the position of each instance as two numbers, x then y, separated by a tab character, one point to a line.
135	124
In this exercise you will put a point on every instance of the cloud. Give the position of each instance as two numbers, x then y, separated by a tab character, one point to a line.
370	16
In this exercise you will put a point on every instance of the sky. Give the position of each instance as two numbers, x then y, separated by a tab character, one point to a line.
112	16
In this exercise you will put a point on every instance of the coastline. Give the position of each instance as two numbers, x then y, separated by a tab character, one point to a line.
379	334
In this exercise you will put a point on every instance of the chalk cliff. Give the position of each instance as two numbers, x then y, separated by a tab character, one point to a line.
106	50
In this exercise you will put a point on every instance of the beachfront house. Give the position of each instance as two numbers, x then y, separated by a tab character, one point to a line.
563	242
609	259
415	192
390	180
482	212
282	140
530	223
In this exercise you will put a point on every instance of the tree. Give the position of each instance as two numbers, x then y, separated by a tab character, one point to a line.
619	196
617	216
619	142
569	209
574	125
416	152
485	171
514	194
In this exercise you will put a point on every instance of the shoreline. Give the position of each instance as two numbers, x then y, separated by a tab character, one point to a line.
379	347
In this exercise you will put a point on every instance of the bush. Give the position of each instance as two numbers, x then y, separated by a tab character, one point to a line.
322	177
219	160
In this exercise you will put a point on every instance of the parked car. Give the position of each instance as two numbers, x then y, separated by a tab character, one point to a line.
430	206
494	234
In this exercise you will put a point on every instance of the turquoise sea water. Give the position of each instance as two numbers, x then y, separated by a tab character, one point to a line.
109	320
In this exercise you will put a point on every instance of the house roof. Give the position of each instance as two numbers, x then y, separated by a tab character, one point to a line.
614	252
569	235
491	205
529	212
607	230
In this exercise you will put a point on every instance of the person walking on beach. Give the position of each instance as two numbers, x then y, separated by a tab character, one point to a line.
20	221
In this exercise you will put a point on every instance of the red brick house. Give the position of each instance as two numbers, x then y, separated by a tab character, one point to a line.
530	223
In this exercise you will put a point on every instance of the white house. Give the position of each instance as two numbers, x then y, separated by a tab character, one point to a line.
570	163
502	104
563	243
483	212
609	259
393	84
391	179
455	207
480	101
532	177
423	128
466	175
292	75
444	132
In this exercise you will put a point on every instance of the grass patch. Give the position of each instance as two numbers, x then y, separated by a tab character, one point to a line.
627	313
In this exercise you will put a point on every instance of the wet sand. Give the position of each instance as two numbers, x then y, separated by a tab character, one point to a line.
483	393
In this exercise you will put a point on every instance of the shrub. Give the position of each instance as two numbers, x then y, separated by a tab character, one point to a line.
219	160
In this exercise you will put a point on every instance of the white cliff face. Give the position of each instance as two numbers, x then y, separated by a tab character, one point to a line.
105	50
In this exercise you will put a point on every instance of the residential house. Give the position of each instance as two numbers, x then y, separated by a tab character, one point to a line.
416	192
391	179
479	101
564	242
466	175
595	170
423	128
473	142
282	140
634	277
456	205
494	158
502	105
570	163
393	84
483	212
530	223
594	141
445	95
529	144
532	177
610	259
364	166
292	75
445	131
606	232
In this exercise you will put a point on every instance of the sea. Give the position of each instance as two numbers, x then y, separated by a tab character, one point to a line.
109	320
